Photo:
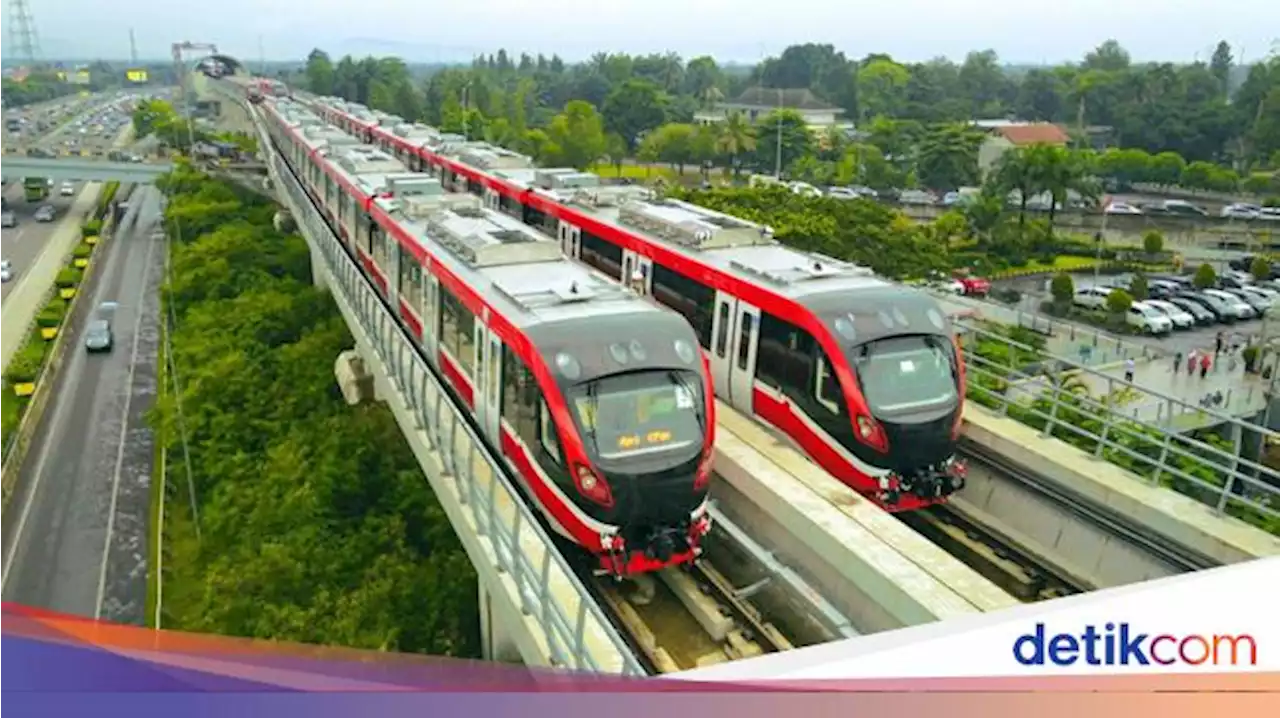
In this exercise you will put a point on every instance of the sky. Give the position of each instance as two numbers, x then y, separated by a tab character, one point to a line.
729	30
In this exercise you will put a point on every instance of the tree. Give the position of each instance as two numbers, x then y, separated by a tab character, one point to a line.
577	136
1220	65
673	143
947	157
1138	287
633	108
736	138
1153	242
320	73
615	150
1119	301
1062	288
1260	267
882	85
786	128
1204	277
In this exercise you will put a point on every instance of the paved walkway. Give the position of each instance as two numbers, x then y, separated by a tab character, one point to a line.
28	297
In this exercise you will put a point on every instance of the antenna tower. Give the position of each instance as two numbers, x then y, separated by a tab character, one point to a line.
133	49
22	31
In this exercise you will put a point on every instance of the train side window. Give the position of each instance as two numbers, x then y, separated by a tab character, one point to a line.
547	433
826	388
604	256
744	340
691	298
449	310
722	339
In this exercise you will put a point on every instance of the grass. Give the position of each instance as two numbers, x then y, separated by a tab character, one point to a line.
631	170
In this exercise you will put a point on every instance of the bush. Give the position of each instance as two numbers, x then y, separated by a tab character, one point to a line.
82	250
1138	287
1205	277
1260	267
52	314
1153	242
1063	288
92	228
1119	301
68	277
26	363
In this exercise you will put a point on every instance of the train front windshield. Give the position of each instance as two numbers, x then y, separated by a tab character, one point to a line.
907	374
646	415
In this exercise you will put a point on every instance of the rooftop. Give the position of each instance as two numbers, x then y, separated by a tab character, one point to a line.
1032	133
770	98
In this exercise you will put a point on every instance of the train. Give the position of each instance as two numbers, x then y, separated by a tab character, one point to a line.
862	374
597	400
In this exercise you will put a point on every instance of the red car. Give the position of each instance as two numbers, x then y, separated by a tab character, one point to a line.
974	286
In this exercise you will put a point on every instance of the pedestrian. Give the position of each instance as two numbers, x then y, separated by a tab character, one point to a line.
1177	362
1218	341
1204	364
1128	370
1191	362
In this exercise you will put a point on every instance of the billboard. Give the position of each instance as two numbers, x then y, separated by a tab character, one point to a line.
136	75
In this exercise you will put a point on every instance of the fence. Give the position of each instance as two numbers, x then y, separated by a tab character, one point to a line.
1200	468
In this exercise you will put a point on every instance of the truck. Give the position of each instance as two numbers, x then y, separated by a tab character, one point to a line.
35	188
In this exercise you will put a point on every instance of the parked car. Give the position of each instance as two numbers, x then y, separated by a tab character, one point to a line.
1259	303
1269	214
842	193
1092	297
1195	309
6	270
917	197
1240	210
1222	312
1181	318
1148	319
1242	309
974	286
1184	208
1121	208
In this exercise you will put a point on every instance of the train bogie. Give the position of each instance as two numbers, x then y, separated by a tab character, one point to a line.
597	400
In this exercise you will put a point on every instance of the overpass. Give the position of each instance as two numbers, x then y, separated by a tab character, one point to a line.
81	169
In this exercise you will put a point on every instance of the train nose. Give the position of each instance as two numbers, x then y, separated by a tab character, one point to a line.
662	546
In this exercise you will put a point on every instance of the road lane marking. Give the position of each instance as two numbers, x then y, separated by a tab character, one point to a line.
124	423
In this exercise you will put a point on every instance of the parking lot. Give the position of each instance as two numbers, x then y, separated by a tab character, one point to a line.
1035	291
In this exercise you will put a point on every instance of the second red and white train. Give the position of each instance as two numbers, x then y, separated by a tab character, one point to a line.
862	373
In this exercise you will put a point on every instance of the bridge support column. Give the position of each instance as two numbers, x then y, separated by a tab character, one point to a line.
496	641
354	379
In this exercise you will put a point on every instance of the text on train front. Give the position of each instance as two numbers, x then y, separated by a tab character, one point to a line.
907	370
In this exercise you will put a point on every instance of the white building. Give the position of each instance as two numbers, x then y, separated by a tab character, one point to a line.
757	102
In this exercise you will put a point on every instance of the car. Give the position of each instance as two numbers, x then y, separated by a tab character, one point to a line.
1258	302
8	219
6	270
97	336
917	197
1222	311
1092	297
1269	214
1181	318
1183	208
1148	319
1240	210
1202	316
1241	308
1121	208
68	189
45	213
841	193
974	286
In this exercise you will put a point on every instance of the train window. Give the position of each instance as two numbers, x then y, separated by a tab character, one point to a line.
430	306
826	388
449	311
691	298
410	274
495	386
604	256
519	396
722	340
380	245
547	432
744	340
371	237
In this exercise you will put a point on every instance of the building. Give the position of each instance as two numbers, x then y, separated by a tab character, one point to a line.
757	102
1004	135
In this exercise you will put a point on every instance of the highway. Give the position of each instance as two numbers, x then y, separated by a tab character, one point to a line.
77	539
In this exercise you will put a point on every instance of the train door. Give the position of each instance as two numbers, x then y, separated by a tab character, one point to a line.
490	198
633	263
431	313
570	240
721	348
488	376
742	371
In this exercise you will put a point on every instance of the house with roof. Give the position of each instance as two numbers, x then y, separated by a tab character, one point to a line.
1004	135
757	102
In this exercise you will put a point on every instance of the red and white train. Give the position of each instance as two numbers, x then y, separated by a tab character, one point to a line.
597	399
863	374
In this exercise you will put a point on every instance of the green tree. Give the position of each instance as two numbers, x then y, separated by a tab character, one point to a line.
1119	301
1260	267
633	108
736	138
320	75
1138	287
947	157
882	85
787	129
1062	288
577	136
1153	242
1204	277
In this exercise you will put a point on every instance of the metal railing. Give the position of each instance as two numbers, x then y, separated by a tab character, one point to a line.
567	623
1088	345
1210	470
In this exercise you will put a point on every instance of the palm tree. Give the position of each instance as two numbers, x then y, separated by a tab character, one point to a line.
736	137
1016	171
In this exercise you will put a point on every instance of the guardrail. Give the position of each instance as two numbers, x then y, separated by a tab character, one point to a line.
1201	469
566	623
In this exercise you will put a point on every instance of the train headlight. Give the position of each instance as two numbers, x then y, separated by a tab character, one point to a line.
592	486
865	428
587	480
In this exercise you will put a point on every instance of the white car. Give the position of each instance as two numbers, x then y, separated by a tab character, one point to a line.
1241	211
1148	319
1180	317
1093	297
6	270
1238	306
841	193
68	189
1122	208
804	189
1269	214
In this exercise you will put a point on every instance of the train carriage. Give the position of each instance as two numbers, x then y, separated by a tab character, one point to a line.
861	373
598	400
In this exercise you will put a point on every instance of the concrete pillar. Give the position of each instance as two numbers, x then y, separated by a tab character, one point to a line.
354	380
318	268
496	643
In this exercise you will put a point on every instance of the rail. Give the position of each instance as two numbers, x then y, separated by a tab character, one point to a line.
566	622
1059	405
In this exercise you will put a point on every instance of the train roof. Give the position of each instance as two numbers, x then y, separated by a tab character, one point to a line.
517	270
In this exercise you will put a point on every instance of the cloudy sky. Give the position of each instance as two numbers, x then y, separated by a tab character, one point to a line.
743	30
